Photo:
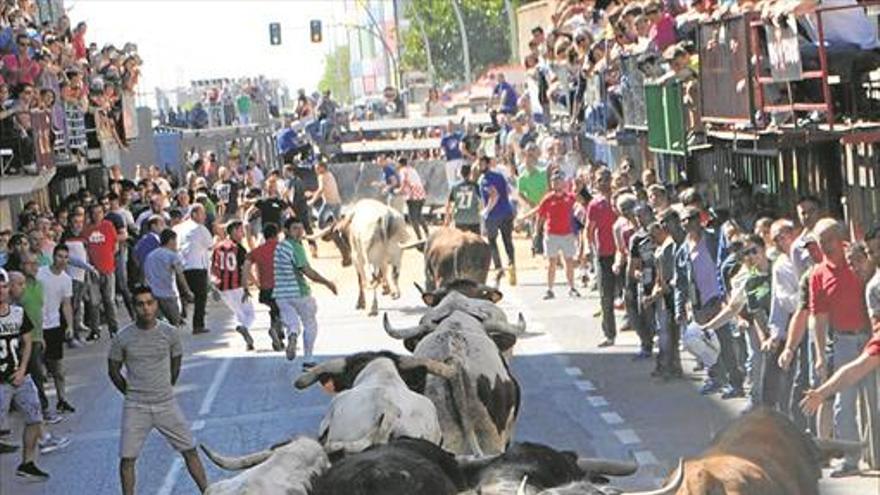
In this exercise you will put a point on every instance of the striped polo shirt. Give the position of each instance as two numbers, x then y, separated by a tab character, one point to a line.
290	259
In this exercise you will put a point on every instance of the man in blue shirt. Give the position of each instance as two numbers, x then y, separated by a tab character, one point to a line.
505	95
450	143
498	214
290	144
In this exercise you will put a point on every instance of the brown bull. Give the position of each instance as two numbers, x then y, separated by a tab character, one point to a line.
761	453
452	254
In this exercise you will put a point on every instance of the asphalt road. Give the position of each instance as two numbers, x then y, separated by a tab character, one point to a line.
576	397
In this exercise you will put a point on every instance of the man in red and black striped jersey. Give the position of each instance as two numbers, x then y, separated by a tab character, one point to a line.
227	266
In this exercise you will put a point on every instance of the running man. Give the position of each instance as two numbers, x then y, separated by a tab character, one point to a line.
226	271
292	292
463	206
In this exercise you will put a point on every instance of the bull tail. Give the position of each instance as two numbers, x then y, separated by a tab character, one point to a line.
461	404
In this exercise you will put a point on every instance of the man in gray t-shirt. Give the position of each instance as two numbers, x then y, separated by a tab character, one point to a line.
151	352
163	272
464	205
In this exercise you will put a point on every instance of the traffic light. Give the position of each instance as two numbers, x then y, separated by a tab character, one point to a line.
274	33
315	28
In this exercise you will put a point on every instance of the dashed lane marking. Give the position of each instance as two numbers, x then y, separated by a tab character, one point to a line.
573	371
585	385
612	418
597	401
627	437
645	457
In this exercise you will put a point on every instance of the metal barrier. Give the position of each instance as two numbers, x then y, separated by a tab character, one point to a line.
667	128
820	74
634	70
359	180
726	92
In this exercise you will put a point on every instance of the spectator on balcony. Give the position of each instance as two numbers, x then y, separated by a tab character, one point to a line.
78	41
662	33
19	67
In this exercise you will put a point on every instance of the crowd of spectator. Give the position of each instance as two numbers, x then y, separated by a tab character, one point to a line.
223	103
59	92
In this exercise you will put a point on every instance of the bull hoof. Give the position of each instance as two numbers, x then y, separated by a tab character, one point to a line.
373	312
395	295
386	291
360	305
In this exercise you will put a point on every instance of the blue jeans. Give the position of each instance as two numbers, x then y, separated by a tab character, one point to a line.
327	212
845	347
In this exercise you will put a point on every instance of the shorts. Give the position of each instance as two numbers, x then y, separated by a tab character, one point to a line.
54	338
554	244
138	419
26	401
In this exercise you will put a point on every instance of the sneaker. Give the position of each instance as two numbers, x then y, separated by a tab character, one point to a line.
308	365
844	471
641	355
277	343
6	448
710	387
74	343
573	292
548	295
248	340
51	418
291	348
606	343
30	471
64	407
92	337
511	275
200	331
53	443
733	393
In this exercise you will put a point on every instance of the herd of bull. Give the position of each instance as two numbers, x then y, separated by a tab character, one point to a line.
441	420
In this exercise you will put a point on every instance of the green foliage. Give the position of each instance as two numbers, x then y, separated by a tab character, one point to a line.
486	22
337	76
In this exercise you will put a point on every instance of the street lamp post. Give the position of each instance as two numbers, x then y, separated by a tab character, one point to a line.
464	42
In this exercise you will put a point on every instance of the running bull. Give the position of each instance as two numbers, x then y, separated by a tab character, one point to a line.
761	453
452	254
373	234
377	404
478	406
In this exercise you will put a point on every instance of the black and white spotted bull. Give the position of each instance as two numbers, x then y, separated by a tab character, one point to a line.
378	405
374	233
478	406
287	468
453	254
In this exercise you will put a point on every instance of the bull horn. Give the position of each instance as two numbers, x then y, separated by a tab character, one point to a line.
671	487
419	288
415	244
332	366
829	447
607	467
400	333
236	463
321	233
432	365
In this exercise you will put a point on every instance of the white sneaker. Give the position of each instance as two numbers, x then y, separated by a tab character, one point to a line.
291	347
53	443
52	418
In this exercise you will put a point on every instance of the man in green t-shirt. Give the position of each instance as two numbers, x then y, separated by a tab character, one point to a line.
463	205
244	109
292	292
532	186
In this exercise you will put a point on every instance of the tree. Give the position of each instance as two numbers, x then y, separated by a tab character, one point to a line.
487	30
337	77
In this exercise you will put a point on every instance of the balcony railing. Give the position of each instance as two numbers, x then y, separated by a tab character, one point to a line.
725	73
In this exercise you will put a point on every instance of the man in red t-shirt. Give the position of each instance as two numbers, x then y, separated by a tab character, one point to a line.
227	265
263	256
840	318
600	232
556	212
100	240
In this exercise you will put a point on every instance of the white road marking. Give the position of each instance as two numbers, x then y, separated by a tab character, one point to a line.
584	385
171	477
573	371
645	457
612	418
215	387
597	401
177	464
627	437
